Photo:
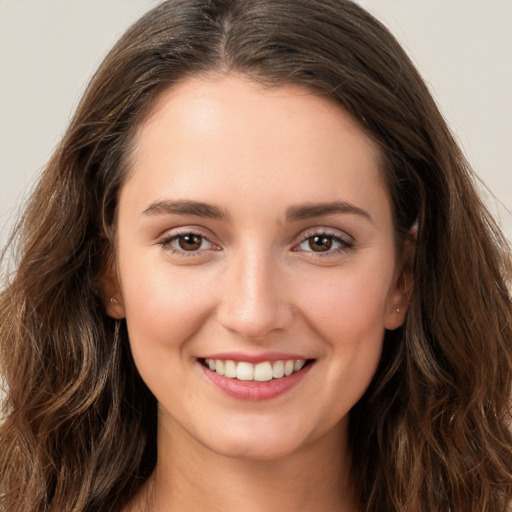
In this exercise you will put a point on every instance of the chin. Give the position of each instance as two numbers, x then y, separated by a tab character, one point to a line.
257	450
259	440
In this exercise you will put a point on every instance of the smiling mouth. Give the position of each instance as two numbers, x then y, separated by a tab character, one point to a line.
260	372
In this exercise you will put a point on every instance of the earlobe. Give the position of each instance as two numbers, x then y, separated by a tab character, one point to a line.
397	309
115	308
111	292
399	299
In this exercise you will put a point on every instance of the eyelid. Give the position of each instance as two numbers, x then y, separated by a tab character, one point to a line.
342	237
346	241
169	236
321	230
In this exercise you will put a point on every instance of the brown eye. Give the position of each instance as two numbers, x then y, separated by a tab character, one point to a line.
187	244
325	244
320	243
190	242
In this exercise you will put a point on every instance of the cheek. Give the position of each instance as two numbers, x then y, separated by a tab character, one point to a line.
345	302
163	307
347	311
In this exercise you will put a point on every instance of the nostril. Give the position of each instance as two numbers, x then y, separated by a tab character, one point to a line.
255	321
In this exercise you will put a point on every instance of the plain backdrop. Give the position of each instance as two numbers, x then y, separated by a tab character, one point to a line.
50	48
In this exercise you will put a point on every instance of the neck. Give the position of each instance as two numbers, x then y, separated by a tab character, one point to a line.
190	477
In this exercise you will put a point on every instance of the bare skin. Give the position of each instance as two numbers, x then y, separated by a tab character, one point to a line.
203	481
255	226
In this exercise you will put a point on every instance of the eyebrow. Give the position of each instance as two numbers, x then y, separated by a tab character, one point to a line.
294	213
306	211
186	207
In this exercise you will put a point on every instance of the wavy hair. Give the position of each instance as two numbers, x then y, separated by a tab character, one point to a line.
432	432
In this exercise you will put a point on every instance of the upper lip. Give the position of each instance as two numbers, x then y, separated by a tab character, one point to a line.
255	358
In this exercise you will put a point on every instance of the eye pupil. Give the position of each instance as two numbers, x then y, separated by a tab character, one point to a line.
190	242
320	243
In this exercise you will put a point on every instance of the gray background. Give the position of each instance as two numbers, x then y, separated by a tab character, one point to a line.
50	48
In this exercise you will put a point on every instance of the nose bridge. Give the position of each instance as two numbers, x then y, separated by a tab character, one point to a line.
252	304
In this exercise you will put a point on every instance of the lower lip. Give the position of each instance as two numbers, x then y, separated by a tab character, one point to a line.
254	390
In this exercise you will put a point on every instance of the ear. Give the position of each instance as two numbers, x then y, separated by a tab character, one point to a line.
401	290
111	293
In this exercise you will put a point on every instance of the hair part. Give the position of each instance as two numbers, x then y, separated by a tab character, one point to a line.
432	433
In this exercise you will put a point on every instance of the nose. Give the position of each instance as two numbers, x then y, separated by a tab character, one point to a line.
252	297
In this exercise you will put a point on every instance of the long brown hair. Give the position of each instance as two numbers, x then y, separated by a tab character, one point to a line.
432	433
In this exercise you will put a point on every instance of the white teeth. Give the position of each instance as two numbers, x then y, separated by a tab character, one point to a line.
261	372
244	371
289	366
278	370
229	369
219	366
298	365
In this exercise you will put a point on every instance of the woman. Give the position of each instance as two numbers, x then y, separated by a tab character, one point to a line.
256	275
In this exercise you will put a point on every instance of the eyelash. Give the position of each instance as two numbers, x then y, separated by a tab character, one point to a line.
167	241
344	244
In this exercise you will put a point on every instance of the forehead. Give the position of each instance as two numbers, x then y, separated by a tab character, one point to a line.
215	102
211	135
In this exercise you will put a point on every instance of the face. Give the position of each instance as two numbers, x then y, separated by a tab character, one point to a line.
255	266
